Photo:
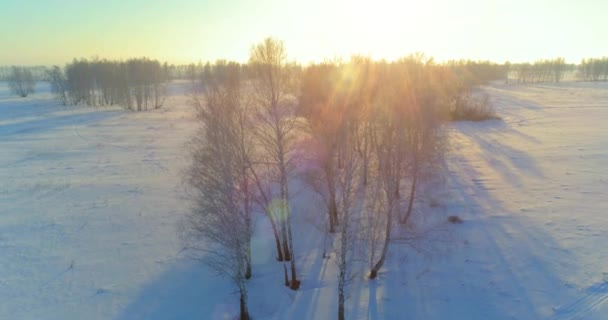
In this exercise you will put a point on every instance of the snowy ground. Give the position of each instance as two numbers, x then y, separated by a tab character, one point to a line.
91	202
534	191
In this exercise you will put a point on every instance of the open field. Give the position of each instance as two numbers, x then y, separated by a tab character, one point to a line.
91	202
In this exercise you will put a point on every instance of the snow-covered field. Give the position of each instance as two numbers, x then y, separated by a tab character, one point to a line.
91	202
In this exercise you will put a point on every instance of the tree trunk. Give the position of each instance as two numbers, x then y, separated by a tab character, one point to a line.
398	191
343	265
247	209
286	253
387	238
410	204
325	245
341	300
333	212
248	261
277	240
284	211
295	283
332	209
244	315
273	223
365	154
365	170
286	277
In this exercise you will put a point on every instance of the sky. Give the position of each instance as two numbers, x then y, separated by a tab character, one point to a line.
47	32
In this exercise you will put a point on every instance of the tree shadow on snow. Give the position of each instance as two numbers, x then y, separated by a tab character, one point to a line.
502	149
499	267
51	122
188	290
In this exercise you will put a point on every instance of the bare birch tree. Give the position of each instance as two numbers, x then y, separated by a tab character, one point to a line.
323	107
276	123
390	148
220	225
59	84
348	182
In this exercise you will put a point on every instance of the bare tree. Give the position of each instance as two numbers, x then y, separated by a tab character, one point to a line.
543	70
390	146
361	94
322	105
330	121
348	183
21	81
221	222
425	146
373	220
421	126
160	77
59	84
276	122
137	84
594	69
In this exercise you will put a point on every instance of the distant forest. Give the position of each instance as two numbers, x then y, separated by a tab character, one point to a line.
544	70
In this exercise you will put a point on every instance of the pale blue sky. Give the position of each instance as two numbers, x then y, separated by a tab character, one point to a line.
55	31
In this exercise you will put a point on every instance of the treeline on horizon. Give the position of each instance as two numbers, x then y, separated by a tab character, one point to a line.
136	84
140	84
588	69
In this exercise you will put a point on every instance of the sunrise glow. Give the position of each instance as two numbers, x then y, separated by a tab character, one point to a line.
184	31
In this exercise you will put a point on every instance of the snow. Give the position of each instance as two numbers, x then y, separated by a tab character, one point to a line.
91	203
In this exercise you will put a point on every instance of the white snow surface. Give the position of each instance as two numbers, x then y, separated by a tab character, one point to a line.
91	203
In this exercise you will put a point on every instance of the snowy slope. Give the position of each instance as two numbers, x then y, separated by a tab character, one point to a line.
91	202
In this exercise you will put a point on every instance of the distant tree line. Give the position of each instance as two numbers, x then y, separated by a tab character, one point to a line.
136	84
593	69
474	73
546	70
38	72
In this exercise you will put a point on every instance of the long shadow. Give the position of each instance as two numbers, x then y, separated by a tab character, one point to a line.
373	304
314	295
509	247
46	124
506	160
504	97
15	109
187	290
497	266
38	104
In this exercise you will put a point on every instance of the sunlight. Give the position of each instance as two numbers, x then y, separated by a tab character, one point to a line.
303	159
382	30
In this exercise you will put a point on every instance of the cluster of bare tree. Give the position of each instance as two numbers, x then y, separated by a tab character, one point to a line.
38	72
59	84
21	81
546	70
243	162
593	69
193	72
473	73
376	132
137	84
371	132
